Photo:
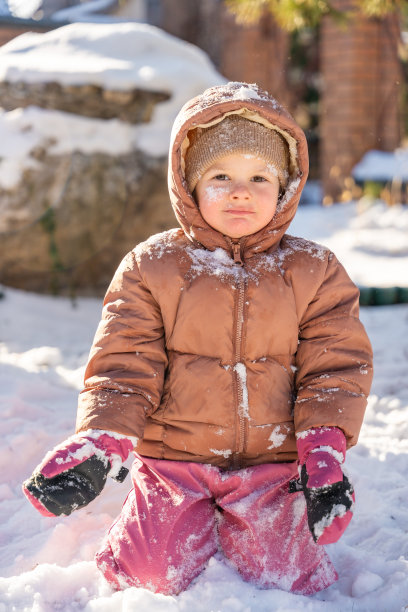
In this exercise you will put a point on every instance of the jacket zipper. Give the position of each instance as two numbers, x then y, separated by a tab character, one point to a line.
239	380
240	422
236	250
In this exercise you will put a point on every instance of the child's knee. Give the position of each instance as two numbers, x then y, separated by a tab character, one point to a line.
160	575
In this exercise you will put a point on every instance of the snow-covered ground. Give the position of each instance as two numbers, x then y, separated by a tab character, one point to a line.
370	237
47	563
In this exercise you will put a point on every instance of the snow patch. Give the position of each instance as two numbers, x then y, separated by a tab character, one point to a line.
277	437
242	92
96	433
382	166
301	435
158	245
369	238
223	453
331	451
366	582
215	263
118	57
290	191
219	263
34	360
240	369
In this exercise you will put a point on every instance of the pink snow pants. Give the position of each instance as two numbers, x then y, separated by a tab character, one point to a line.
178	514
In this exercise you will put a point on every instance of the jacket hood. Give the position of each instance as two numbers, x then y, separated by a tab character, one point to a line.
209	108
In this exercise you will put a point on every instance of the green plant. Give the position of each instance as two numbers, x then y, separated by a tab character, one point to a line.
372	189
49	225
297	14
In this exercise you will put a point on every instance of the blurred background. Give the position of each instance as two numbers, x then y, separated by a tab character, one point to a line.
89	90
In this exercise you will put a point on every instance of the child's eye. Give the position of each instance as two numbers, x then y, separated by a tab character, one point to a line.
221	177
258	179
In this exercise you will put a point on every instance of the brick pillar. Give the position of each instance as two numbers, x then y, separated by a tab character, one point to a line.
360	104
10	31
7	34
256	54
390	86
178	17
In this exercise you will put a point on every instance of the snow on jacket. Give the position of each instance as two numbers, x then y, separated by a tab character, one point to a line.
219	351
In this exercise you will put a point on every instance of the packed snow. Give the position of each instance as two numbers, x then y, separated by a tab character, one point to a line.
382	166
25	129
24	9
118	57
47	564
370	237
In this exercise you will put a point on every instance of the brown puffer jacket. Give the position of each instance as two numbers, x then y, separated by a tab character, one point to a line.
208	359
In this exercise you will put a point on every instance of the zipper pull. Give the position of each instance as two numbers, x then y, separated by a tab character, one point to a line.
236	249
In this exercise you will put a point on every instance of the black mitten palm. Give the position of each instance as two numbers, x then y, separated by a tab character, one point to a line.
328	508
328	492
75	472
70	490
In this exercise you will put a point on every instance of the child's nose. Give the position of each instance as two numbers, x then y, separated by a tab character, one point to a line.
239	191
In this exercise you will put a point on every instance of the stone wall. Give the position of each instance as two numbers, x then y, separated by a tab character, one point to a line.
133	106
65	227
84	213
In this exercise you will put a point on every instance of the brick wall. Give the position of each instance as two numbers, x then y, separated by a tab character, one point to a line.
360	104
10	29
256	53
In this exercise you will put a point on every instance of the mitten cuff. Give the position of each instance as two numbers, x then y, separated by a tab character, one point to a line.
321	439
108	446
116	447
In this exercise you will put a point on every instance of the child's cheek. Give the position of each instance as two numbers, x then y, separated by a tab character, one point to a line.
213	195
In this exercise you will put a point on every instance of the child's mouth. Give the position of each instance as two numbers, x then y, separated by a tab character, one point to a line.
239	212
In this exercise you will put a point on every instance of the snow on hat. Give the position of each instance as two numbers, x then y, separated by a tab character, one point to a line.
235	134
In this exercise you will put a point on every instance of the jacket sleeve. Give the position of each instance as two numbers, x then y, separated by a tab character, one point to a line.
334	358
125	372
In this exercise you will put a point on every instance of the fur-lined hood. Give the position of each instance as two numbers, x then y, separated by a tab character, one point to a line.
209	108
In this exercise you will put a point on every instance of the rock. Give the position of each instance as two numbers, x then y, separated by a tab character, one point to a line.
85	212
83	152
133	106
71	218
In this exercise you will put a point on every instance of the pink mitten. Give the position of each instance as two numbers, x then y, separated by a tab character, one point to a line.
328	492
74	472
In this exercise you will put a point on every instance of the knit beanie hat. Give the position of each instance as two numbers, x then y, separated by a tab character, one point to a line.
235	134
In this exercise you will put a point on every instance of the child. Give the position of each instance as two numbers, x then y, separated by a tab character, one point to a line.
231	359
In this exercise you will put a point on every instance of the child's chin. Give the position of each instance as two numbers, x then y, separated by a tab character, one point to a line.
239	228
241	232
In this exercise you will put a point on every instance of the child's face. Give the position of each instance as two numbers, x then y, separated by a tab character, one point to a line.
238	194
